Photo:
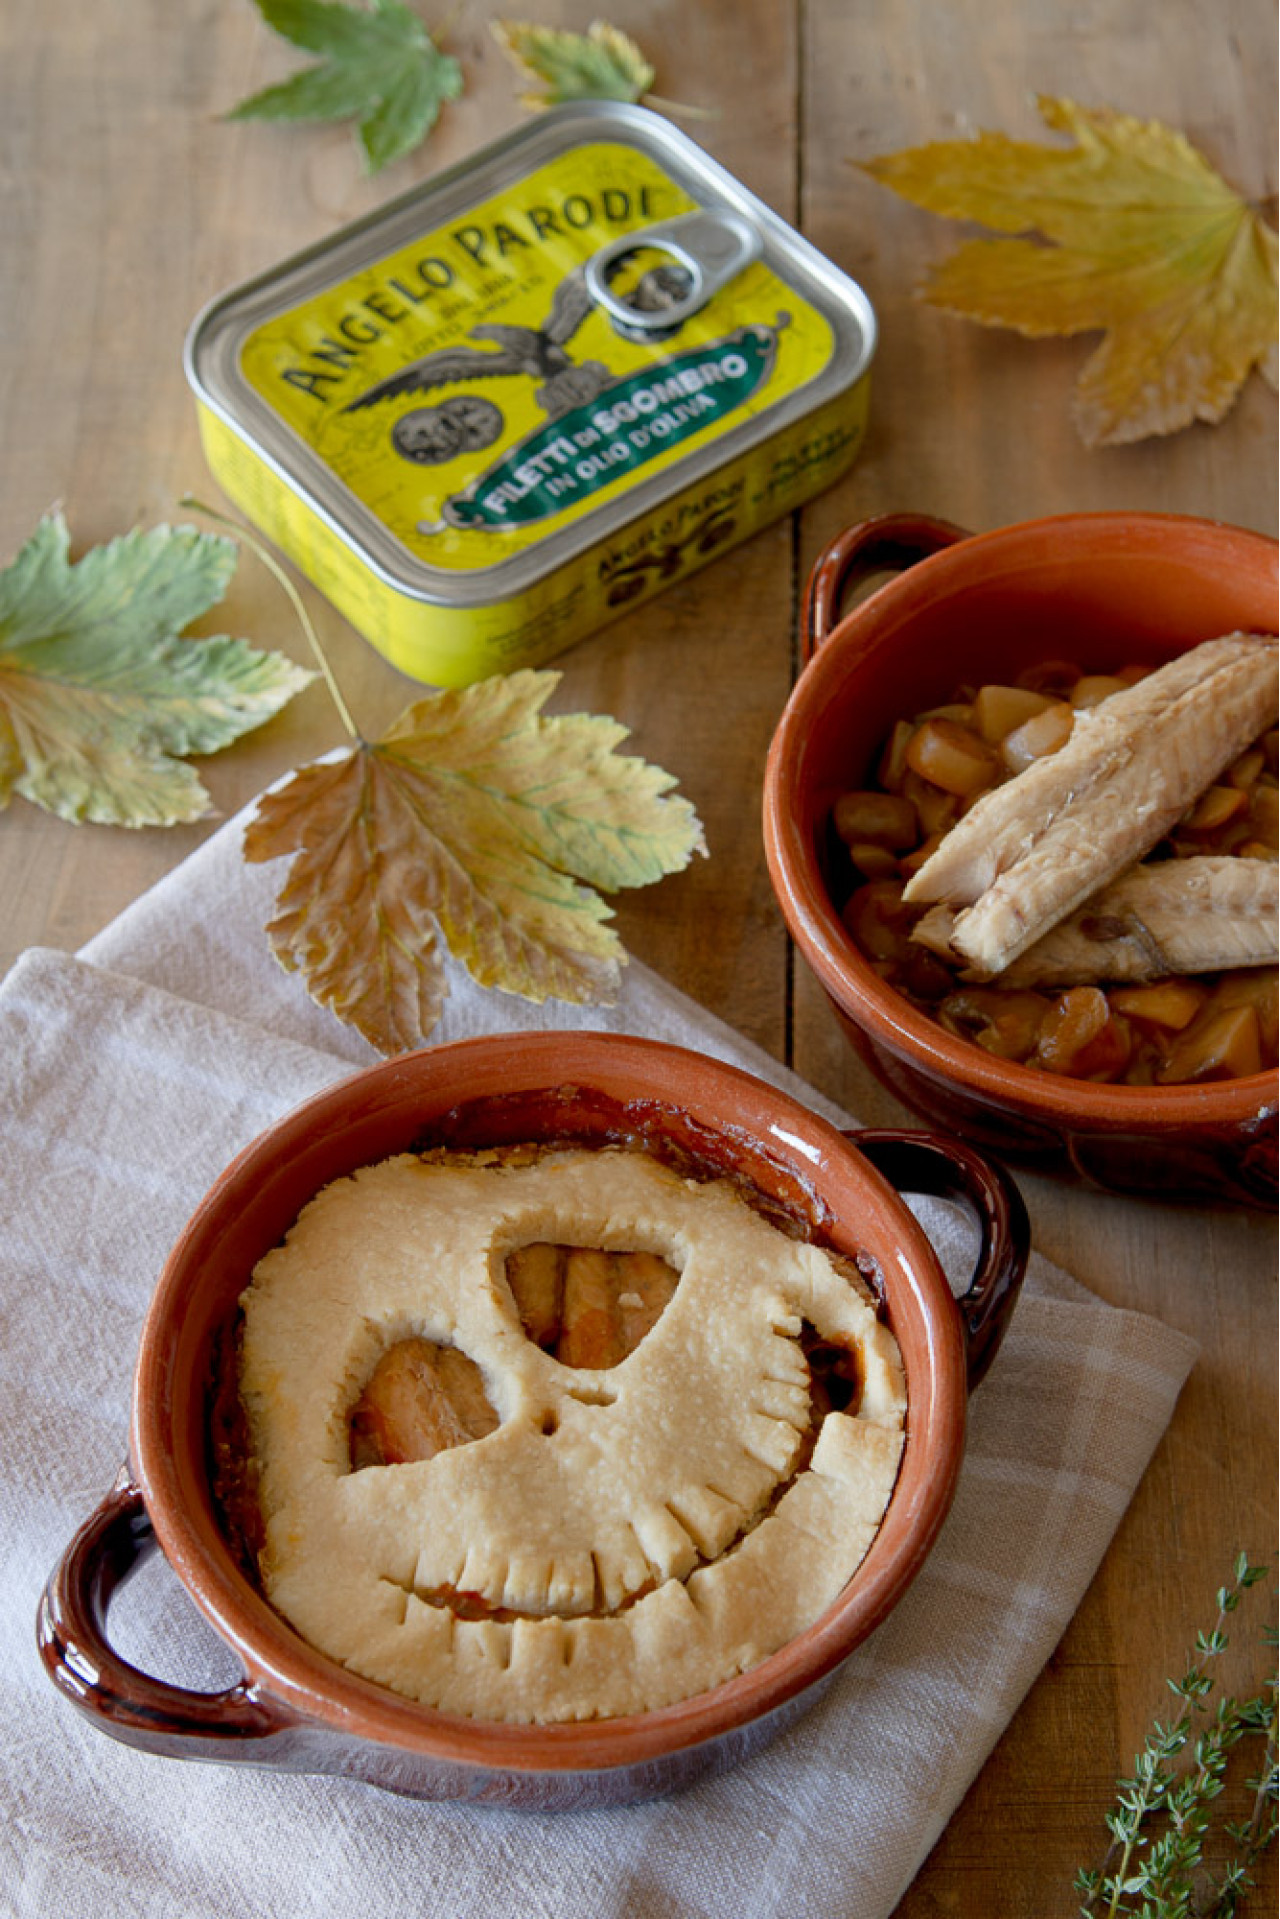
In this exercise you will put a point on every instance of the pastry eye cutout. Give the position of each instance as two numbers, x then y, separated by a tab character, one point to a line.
590	1309
587	1308
421	1398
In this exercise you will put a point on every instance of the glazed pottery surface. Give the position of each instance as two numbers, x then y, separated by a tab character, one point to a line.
1102	590
298	1710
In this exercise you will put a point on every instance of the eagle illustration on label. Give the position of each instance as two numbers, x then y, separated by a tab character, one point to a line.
537	353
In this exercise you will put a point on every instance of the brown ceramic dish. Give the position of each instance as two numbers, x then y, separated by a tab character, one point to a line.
296	1710
1093	588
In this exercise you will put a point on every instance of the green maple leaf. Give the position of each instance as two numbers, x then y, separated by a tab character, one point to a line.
479	820
601	64
381	68
98	694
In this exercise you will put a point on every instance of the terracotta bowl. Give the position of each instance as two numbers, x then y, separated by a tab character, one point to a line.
1103	589
299	1711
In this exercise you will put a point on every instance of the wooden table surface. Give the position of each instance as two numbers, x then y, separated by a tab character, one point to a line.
126	202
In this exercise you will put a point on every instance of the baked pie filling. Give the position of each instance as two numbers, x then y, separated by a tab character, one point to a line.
559	1434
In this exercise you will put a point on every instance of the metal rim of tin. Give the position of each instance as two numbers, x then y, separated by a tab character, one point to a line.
211	349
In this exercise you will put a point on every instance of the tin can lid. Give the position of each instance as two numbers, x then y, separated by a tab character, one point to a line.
485	377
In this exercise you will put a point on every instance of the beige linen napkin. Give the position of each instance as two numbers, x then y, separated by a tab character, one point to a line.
128	1077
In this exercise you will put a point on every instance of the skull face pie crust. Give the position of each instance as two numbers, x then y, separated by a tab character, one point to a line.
589	1539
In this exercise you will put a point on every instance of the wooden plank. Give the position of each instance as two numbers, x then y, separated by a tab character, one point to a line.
703	670
974	425
129	204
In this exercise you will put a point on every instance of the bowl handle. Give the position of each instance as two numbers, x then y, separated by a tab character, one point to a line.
132	1706
888	542
946	1168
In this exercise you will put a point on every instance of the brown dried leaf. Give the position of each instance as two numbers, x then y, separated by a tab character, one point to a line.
474	818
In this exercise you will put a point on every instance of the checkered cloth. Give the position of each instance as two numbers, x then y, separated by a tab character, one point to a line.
128	1077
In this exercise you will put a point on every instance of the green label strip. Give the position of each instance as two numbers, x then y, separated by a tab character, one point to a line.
625	426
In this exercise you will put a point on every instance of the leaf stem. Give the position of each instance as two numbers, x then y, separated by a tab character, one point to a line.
304	619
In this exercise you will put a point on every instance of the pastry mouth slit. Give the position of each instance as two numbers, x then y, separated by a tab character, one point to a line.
404	1595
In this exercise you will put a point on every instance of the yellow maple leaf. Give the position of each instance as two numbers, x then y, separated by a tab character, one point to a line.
478	820
600	64
1131	232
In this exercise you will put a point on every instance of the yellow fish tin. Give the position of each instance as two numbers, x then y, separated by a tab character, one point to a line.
509	405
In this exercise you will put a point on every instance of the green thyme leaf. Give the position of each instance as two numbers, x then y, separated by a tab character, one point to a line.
1165	1860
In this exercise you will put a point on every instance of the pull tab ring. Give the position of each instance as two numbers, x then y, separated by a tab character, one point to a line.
712	245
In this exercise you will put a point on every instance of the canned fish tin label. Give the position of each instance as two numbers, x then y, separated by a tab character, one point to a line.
457	415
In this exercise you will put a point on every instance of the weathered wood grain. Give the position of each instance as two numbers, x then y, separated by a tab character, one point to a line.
973	425
126	203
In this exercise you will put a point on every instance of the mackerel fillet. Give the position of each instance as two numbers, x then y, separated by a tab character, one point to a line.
1030	852
1206	915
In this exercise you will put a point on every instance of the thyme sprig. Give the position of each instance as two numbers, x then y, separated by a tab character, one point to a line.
1158	1865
